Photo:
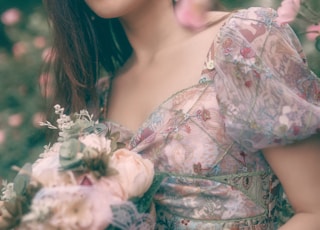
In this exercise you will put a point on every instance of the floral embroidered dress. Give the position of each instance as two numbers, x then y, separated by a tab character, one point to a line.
255	91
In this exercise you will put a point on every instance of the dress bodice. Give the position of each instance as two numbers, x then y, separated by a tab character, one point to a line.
208	138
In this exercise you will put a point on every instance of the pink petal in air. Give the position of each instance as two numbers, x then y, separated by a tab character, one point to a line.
313	31
288	11
192	13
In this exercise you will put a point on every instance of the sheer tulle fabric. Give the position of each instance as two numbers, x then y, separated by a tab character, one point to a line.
255	91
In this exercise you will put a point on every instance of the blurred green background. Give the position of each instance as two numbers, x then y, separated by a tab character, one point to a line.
24	42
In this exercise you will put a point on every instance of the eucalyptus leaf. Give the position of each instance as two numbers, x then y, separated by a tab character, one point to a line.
120	145
77	129
96	128
144	203
100	128
113	146
11	207
70	148
22	179
69	156
115	136
71	164
89	129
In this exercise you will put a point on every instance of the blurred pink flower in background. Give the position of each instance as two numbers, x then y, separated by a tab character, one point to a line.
19	49
288	11
15	120
192	13
11	16
313	32
39	42
2	137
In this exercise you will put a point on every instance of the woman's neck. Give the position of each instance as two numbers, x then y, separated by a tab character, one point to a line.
152	29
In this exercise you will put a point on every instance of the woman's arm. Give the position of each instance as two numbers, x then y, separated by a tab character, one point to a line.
298	168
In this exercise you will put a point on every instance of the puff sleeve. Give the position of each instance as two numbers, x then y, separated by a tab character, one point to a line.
266	92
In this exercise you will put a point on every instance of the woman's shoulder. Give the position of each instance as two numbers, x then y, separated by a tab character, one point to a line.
260	14
267	94
246	18
242	23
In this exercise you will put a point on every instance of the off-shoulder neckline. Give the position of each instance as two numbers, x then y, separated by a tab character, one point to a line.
202	73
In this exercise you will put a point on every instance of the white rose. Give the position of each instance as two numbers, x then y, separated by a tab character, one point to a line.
74	207
135	174
97	142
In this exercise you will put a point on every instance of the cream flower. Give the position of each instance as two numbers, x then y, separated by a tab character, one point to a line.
76	207
46	169
7	193
108	183
97	142
135	173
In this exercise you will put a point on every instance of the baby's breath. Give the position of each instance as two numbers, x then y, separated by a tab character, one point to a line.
7	192
48	124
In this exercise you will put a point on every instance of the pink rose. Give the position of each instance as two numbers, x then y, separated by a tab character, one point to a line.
288	11
135	174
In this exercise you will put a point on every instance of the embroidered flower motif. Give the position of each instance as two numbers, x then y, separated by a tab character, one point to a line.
206	115
243	155
248	83
187	128
247	52
197	168
185	222
227	46
209	62
203	114
296	130
283	119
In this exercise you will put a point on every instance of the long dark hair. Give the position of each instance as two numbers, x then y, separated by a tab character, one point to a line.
82	44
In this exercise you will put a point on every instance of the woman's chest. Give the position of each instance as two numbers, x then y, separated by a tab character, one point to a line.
186	135
141	86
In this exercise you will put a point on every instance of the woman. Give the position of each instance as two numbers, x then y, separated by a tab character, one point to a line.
215	108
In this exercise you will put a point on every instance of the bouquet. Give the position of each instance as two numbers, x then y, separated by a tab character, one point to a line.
86	180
